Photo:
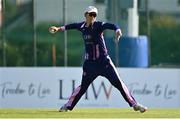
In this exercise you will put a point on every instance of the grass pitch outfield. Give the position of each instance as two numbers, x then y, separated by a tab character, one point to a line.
89	113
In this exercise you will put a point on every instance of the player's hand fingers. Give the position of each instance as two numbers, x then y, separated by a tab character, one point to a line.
53	29
117	38
118	35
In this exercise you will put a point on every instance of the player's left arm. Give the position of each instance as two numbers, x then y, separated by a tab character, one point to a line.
112	27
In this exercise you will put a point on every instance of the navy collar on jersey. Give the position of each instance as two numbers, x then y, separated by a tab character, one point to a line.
84	24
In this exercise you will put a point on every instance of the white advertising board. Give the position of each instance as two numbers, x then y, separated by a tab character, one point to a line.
51	87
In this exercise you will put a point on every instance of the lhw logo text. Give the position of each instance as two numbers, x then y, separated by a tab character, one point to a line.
96	90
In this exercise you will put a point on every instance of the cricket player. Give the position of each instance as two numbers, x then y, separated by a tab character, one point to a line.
97	61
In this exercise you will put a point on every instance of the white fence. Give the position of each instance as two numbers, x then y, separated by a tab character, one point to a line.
50	87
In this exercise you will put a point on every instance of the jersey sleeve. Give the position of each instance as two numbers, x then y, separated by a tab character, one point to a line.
73	26
110	26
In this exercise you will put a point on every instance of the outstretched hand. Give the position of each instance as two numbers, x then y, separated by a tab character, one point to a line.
118	35
54	29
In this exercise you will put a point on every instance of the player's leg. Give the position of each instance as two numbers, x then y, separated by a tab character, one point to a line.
79	91
116	81
112	75
65	107
87	78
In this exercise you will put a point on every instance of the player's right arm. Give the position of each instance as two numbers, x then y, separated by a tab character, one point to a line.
54	29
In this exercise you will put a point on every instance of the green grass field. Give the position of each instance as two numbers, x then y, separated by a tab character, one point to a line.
89	113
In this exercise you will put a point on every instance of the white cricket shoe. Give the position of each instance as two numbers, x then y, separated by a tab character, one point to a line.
63	109
139	107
